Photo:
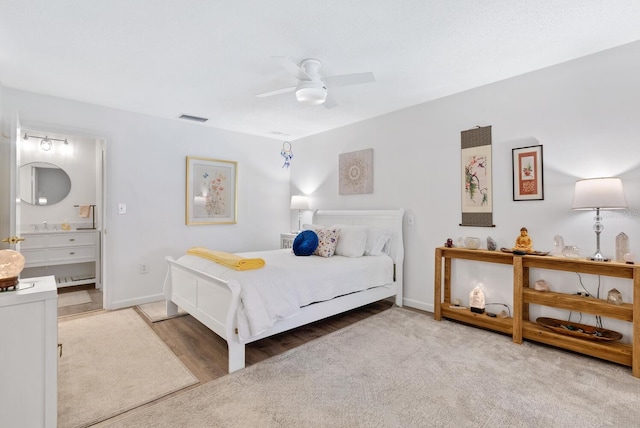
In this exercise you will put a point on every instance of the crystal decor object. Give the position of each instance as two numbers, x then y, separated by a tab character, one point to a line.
622	246
558	245
614	296
472	242
571	251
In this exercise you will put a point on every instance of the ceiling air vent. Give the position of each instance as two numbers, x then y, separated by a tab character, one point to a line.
193	118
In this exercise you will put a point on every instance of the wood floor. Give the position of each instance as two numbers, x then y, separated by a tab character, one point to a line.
205	353
94	305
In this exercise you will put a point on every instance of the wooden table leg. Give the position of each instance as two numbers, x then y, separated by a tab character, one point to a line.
437	287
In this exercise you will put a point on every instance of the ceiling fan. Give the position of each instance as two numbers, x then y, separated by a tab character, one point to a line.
312	87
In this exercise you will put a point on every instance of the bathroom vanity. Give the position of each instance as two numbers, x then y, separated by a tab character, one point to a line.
73	257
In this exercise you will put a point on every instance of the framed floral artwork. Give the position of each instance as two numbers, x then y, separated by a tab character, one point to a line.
477	191
212	190
528	183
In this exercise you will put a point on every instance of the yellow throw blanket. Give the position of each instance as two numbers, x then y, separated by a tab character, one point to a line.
227	259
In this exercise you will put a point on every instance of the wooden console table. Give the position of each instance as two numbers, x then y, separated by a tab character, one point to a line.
520	327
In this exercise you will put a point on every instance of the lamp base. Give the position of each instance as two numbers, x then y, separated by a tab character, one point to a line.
598	257
9	283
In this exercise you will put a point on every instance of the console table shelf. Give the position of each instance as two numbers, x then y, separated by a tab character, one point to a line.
520	326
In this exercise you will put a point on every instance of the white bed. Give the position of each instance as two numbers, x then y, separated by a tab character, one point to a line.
214	299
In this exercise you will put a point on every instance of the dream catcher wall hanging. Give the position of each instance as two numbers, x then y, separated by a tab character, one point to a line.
287	154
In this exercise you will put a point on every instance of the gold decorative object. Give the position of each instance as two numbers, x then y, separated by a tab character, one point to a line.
523	242
11	264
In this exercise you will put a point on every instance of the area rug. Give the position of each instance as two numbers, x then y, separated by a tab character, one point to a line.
112	362
157	311
73	298
403	369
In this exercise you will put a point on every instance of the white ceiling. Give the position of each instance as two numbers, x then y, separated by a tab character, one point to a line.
211	57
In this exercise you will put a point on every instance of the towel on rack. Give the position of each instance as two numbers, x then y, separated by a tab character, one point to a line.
232	261
85	211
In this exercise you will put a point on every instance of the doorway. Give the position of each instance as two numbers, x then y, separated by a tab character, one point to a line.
59	181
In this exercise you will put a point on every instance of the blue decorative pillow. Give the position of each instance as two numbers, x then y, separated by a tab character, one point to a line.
305	243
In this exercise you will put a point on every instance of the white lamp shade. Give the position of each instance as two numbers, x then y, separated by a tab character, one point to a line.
602	193
299	202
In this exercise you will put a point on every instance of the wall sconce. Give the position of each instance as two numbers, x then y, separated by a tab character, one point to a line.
599	194
299	202
46	143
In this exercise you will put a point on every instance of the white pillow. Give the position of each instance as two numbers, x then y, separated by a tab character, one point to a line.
376	241
352	240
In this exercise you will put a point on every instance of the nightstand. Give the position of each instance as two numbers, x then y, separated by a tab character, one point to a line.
286	239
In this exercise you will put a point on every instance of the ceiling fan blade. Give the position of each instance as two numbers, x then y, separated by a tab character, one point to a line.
277	92
291	67
348	79
329	102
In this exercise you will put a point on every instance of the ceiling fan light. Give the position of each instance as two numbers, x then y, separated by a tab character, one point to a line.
311	95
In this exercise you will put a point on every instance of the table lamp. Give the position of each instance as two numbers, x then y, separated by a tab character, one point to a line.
599	194
299	202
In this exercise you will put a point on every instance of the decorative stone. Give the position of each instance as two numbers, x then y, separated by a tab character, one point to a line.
542	285
622	246
629	258
558	245
11	264
571	251
472	242
491	244
614	296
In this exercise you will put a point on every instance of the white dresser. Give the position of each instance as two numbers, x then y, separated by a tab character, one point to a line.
74	254
28	354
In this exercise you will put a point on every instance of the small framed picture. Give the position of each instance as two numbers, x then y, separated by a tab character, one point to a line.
211	191
528	183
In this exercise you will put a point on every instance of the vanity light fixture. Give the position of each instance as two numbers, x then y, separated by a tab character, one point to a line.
46	143
599	194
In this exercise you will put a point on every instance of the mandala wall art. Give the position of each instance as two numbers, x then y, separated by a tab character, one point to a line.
355	171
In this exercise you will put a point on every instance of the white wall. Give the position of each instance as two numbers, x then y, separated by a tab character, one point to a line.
145	168
584	113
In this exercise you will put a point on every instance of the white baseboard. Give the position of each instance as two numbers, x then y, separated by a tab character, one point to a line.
428	307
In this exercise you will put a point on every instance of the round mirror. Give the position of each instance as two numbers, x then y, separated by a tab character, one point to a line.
43	183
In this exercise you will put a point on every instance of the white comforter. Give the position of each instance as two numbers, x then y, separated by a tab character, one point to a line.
287	282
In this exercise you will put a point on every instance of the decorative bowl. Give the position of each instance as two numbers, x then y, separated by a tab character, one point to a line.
472	242
571	251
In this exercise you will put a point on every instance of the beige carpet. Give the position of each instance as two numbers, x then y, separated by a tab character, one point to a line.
402	369
157	311
112	362
73	298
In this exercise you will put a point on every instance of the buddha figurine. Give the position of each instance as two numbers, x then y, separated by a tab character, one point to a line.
523	242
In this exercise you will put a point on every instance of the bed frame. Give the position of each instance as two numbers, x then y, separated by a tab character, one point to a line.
214	301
